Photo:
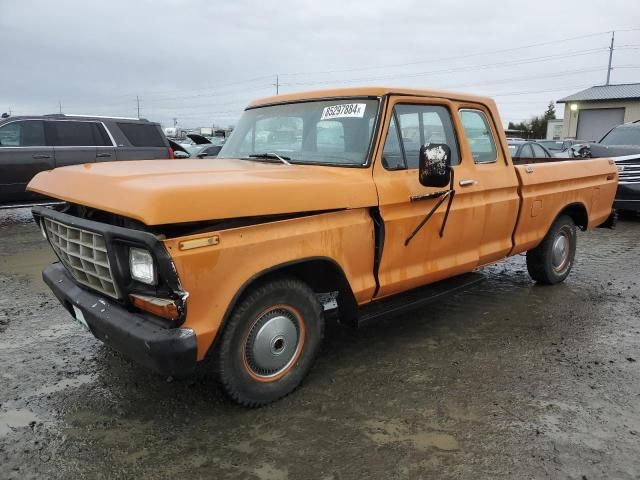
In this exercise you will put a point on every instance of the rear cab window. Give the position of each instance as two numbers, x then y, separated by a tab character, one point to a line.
479	135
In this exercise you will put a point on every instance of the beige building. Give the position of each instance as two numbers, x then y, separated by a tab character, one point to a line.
591	113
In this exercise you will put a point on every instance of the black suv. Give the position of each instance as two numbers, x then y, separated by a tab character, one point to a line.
622	143
29	145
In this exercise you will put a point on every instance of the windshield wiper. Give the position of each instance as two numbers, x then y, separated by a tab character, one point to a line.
272	155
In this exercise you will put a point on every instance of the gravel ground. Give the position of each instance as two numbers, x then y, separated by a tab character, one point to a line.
508	380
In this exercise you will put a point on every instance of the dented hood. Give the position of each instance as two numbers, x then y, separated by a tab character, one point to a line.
160	192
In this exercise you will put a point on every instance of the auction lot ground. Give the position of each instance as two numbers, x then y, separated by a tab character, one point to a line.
508	380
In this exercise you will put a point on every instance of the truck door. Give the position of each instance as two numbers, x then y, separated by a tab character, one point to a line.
404	202
24	151
495	180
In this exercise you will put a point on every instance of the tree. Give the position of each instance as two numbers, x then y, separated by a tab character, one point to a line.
536	126
550	112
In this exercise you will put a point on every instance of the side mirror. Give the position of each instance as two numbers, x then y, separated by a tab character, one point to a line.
435	165
180	154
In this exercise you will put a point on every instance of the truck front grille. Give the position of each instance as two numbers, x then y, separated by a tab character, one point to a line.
628	170
84	254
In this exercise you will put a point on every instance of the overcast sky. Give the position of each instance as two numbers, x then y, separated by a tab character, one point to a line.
202	61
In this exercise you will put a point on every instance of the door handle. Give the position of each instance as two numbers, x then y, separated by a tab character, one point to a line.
103	155
466	183
41	156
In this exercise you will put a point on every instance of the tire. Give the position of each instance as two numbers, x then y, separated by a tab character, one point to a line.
270	342
551	261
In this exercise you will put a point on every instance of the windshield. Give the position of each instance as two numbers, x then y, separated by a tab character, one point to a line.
335	132
623	135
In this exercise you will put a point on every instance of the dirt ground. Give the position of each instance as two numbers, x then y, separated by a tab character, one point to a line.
508	380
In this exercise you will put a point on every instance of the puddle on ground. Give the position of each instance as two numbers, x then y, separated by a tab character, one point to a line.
30	263
13	419
383	433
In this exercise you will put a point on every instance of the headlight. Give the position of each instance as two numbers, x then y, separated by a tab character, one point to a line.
141	266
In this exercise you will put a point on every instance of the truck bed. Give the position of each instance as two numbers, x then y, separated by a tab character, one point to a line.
588	186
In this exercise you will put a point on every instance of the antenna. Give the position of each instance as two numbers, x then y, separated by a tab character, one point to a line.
613	35
138	102
60	106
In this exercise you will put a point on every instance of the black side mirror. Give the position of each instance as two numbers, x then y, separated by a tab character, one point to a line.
435	165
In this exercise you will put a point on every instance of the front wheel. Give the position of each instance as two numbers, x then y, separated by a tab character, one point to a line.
552	260
270	342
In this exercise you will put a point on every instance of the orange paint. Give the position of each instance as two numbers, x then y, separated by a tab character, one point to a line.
504	210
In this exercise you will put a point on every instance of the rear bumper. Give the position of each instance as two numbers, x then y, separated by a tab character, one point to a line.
168	351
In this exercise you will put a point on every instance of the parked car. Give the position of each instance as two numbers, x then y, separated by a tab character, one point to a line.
623	144
560	148
528	150
204	150
244	256
31	144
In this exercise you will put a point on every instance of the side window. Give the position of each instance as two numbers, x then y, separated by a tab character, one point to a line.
142	134
330	136
100	136
392	154
479	136
420	124
25	133
538	151
74	134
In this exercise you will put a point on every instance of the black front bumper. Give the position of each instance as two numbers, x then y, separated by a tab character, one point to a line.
168	351
628	197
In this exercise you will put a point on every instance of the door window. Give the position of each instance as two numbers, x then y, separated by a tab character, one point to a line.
420	124
479	136
25	133
538	151
76	134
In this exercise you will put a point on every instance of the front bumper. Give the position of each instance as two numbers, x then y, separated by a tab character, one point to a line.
168	351
627	197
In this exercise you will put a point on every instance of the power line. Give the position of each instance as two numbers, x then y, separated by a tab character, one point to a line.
507	63
457	57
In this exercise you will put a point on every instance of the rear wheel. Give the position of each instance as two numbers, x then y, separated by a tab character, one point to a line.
552	260
270	342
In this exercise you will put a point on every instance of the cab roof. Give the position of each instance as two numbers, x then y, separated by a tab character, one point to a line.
369	92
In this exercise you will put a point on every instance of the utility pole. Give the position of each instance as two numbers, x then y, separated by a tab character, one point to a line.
613	35
277	85
60	106
138	102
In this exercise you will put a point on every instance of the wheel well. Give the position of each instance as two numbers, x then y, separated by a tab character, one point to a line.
321	274
578	212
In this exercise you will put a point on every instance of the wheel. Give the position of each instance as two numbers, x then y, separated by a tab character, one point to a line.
551	261
270	342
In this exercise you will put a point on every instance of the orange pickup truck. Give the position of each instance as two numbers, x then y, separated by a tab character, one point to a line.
351	202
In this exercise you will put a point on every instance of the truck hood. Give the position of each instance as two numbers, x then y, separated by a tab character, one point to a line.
158	192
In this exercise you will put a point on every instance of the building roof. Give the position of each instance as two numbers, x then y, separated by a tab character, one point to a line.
626	91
